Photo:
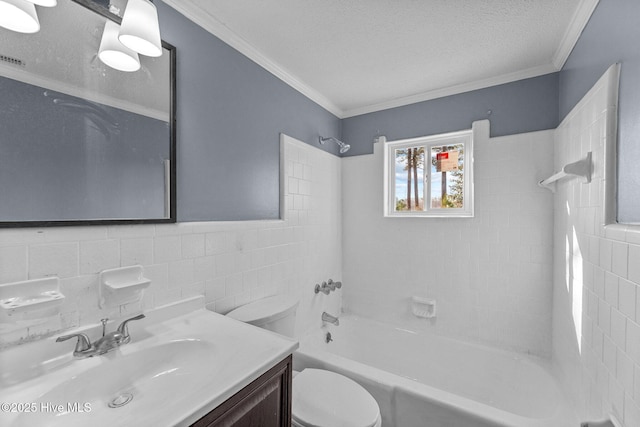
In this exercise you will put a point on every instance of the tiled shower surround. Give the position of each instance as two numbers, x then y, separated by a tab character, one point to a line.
491	275
230	263
596	320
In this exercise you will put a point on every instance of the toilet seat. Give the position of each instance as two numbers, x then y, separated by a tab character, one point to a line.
325	399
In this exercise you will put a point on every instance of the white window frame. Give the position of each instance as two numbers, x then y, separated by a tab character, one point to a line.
465	137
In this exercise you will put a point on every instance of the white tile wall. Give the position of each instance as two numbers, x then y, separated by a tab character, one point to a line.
596	327
491	275
230	263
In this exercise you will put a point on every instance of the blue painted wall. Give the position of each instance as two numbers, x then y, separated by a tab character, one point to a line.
612	35
523	106
230	113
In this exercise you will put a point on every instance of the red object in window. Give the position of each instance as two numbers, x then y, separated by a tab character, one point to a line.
442	156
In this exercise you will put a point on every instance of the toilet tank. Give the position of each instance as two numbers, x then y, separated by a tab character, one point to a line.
276	313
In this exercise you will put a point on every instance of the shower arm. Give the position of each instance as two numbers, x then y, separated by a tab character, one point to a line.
323	140
343	147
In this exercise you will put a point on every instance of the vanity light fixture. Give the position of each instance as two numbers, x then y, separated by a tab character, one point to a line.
19	15
115	54
139	30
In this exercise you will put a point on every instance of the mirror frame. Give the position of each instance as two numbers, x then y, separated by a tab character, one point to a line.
172	218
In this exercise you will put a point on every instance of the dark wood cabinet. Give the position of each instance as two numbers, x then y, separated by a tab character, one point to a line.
266	402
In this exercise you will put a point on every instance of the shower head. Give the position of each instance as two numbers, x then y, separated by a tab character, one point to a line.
343	147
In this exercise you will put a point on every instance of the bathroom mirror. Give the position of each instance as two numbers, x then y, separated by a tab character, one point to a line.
82	143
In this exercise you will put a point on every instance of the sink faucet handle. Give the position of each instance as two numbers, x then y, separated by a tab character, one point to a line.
124	330
83	343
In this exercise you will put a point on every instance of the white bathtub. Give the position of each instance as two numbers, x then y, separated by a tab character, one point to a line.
426	380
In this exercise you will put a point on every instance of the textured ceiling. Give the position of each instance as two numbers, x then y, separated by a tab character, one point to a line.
354	56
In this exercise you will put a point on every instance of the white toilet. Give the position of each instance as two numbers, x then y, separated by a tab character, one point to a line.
320	398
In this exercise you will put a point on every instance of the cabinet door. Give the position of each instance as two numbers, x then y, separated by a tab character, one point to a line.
266	402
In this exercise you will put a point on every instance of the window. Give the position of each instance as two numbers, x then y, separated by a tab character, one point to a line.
430	176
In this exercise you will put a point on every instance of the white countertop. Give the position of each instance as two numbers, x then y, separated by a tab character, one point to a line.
177	370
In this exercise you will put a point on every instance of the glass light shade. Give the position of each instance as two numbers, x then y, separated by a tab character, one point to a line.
45	3
113	53
139	30
19	15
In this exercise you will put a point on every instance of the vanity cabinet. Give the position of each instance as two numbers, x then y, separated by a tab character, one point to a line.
266	402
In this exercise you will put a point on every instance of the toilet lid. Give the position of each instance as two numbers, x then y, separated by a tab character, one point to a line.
324	398
265	310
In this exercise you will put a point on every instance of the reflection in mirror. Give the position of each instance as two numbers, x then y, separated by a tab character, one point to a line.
82	142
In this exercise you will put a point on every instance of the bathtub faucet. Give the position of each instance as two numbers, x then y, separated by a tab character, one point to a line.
327	287
333	285
324	288
326	317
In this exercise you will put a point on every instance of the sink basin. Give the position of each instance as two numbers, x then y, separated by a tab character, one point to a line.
124	385
176	369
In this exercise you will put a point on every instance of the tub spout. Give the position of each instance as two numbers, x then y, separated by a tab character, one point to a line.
326	317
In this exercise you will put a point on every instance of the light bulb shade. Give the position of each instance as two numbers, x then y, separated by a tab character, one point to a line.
45	3
139	30
19	15
113	53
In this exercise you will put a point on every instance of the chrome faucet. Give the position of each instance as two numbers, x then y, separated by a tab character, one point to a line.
123	329
327	287
326	317
333	285
324	288
106	343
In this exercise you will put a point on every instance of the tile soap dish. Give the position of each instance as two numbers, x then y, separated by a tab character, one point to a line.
121	286
423	307
31	298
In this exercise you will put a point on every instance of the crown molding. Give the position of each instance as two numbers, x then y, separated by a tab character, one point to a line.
574	30
452	90
224	33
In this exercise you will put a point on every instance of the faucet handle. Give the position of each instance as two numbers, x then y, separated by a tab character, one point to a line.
83	343
324	288
334	285
124	330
